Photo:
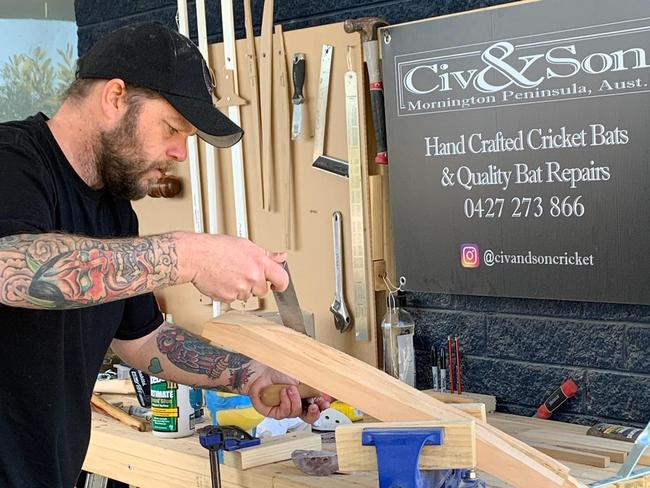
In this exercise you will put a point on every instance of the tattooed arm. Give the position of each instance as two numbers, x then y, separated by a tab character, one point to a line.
60	271
173	353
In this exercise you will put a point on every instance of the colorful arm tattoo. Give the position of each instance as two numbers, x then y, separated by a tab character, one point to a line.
194	355
58	271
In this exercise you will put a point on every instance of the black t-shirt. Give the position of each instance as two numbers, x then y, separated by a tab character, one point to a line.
49	359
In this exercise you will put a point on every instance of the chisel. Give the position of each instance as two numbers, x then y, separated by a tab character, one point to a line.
298	76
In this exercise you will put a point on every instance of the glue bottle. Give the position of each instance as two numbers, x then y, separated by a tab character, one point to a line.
398	329
172	413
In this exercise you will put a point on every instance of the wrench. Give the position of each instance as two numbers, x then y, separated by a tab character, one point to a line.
342	318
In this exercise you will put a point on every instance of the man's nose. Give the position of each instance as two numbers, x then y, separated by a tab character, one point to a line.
178	151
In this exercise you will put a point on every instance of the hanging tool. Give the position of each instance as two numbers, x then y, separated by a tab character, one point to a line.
229	438
193	151
254	135
342	319
357	211
627	471
209	151
298	76
567	390
283	133
320	160
266	95
368	26
230	98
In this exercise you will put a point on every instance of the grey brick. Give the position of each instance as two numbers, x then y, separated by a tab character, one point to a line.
519	383
520	306
554	341
434	326
638	346
618	396
616	312
428	300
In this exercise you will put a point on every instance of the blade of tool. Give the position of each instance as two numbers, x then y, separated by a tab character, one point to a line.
292	317
288	306
298	75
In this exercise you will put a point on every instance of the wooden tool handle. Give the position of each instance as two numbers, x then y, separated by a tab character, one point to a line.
118	413
271	394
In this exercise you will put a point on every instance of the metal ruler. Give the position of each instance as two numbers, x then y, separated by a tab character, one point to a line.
321	104
357	224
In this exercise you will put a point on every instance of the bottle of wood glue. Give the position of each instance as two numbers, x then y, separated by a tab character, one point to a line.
172	413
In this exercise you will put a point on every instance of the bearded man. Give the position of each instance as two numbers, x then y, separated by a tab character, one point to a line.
75	277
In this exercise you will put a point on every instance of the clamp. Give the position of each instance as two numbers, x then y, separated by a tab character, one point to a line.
227	437
398	453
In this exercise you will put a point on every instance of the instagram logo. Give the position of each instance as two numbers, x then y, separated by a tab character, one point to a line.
470	256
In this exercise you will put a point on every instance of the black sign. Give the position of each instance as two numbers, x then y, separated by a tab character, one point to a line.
519	147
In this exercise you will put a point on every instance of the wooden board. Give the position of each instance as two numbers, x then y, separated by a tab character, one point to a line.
490	401
573	455
272	450
457	451
378	394
145	461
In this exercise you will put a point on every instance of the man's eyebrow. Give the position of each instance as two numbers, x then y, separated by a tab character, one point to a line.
184	124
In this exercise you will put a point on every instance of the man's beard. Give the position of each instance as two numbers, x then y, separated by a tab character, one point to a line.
119	160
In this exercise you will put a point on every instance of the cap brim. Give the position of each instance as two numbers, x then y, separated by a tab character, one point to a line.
212	125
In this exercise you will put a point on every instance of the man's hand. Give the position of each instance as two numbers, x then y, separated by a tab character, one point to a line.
229	268
291	405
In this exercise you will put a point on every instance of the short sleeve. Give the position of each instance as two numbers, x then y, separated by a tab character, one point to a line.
27	192
141	317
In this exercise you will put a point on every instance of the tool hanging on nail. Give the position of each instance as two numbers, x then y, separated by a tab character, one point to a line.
358	217
298	99
342	319
283	130
193	149
320	160
255	135
266	99
367	27
230	98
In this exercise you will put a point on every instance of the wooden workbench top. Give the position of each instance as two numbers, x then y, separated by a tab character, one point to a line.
146	461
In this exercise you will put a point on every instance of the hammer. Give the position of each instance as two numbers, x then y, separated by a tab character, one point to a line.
368	26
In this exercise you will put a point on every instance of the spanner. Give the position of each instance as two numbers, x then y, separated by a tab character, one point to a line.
342	318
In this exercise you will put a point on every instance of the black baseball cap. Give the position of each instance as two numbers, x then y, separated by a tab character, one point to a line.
155	57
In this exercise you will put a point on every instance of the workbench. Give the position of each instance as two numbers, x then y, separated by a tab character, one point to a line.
146	461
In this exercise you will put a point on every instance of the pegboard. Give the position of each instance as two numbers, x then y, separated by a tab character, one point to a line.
317	195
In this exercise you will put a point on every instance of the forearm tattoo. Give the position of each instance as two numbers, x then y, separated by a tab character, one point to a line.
194	355
57	271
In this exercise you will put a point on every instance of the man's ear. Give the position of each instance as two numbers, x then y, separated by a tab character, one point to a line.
113	100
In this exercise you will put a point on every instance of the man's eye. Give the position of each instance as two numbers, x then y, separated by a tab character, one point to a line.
171	129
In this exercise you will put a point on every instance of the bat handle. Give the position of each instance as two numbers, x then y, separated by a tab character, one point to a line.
271	394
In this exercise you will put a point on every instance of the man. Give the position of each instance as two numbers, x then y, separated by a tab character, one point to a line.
74	278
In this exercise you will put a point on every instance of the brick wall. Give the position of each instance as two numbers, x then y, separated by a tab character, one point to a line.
519	350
